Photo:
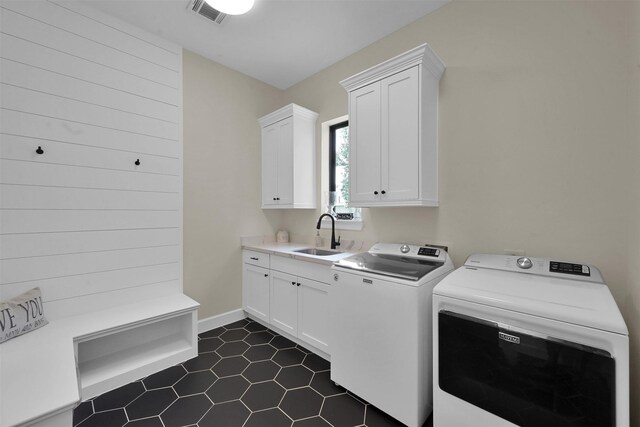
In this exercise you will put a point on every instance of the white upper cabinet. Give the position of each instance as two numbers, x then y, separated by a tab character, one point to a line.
393	124
364	143
288	158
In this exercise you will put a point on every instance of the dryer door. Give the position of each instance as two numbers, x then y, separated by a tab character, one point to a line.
523	377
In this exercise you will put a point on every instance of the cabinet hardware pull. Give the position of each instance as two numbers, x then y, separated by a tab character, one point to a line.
375	192
40	150
254	258
277	198
137	162
274	198
293	283
298	284
383	192
266	275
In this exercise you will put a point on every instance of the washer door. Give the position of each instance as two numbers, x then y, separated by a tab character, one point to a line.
525	378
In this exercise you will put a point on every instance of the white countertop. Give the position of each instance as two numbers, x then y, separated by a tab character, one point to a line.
266	245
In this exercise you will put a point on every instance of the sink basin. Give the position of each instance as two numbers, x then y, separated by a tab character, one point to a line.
316	252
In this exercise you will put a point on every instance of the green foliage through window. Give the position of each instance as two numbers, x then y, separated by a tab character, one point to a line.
342	162
339	170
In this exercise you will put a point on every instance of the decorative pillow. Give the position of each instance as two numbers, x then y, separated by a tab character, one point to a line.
21	314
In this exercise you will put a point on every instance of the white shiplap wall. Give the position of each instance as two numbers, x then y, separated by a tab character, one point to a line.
81	220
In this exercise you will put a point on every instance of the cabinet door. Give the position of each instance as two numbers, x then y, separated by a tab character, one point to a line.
364	143
313	316
270	144
285	162
284	302
400	155
255	291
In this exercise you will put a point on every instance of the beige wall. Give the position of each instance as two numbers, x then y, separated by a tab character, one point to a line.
221	178
538	150
631	303
535	137
531	135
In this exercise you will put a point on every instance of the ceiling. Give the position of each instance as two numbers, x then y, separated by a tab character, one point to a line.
279	42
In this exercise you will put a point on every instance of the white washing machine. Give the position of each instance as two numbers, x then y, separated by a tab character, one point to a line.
380	323
528	342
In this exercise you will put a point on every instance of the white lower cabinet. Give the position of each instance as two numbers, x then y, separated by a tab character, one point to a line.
299	307
255	291
284	302
313	316
255	284
286	299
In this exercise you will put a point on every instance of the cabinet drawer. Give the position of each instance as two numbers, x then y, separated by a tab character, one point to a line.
256	258
310	270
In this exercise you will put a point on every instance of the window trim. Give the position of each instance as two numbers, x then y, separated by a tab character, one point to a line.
343	224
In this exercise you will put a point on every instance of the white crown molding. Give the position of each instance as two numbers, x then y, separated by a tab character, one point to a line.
287	111
421	55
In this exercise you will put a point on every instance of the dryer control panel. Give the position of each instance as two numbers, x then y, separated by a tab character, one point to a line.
537	266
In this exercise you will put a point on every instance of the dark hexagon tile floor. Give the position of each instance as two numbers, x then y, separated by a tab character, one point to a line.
245	375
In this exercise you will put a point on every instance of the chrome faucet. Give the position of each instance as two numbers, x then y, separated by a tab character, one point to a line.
334	244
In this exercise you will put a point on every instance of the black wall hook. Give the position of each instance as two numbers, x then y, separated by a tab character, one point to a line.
137	162
40	150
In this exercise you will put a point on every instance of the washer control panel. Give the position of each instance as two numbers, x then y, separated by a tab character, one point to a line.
569	268
524	263
409	251
429	252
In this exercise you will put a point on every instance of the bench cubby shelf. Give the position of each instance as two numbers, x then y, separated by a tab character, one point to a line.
115	357
79	357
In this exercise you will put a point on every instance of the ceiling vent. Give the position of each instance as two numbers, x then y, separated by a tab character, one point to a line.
201	7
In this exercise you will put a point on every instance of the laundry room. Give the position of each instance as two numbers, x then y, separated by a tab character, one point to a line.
153	270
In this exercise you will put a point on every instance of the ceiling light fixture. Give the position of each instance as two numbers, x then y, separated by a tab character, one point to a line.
231	7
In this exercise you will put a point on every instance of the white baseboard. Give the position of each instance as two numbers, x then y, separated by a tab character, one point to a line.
213	322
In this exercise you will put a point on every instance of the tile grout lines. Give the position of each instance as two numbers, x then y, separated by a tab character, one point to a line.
249	375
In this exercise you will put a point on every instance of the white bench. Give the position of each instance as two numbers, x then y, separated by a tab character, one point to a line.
46	373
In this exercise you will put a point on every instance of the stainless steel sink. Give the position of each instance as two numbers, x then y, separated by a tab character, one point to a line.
317	252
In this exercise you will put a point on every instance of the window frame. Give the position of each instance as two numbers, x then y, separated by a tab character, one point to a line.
355	224
332	152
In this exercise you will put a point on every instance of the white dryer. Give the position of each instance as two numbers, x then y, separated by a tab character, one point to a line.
528	342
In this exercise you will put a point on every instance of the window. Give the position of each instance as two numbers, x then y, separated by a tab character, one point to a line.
339	164
334	174
339	171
